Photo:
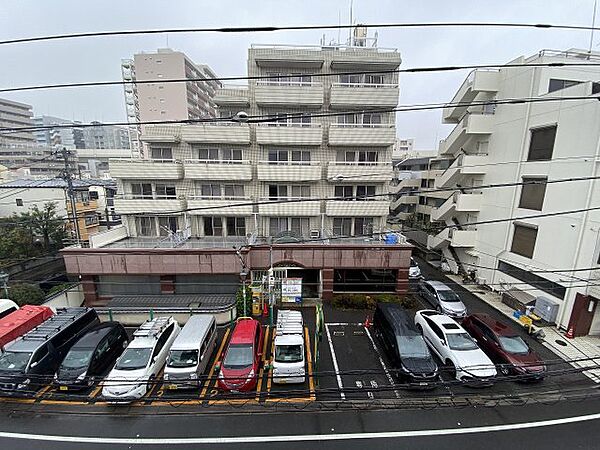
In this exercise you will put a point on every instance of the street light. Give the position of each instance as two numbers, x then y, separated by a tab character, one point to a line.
243	275
4	280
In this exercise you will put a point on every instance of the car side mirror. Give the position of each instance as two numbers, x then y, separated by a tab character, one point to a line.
33	364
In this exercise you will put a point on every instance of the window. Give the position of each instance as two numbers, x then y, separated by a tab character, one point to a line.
350	79
300	156
361	156
541	145
375	79
277	225
93	195
162	153
232	154
371	118
297	225
210	190
343	192
208	153
277	191
363	226
555	84
236	226
162	340
342	226
532	195
300	191
90	219
213	226
365	192
524	237
167	225
233	191
141	190
278	156
145	226
19	201
164	191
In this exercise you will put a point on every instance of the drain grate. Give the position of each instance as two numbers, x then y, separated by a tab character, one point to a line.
560	342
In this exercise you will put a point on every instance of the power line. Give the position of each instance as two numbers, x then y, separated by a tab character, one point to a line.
426	69
272	28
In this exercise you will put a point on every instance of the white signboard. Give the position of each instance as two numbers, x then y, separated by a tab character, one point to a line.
291	290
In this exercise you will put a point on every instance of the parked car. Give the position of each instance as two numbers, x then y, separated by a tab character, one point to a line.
20	321
6	307
414	271
504	346
91	356
442	298
239	370
455	347
28	362
136	369
191	352
288	361
404	346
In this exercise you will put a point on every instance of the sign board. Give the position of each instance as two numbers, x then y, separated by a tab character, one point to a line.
291	290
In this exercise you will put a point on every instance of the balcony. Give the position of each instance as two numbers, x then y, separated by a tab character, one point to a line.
288	93
232	96
479	80
425	209
453	237
404	200
407	183
204	206
128	204
289	206
306	57
202	169
471	125
216	133
146	169
463	165
372	135
370	58
348	95
289	171
293	134
353	208
352	172
457	203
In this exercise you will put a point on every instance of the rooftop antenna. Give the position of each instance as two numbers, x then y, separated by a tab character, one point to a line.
339	27
350	29
593	25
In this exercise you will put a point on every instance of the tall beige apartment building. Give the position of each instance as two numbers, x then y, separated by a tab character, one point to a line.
14	115
165	101
297	176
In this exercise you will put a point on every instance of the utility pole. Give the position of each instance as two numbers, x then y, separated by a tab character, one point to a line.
71	193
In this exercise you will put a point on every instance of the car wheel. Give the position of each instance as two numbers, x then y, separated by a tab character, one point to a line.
451	368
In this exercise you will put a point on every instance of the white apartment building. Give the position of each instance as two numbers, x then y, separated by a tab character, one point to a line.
531	143
311	166
14	115
403	148
165	101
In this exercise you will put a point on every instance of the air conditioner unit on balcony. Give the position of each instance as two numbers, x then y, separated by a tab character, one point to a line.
315	234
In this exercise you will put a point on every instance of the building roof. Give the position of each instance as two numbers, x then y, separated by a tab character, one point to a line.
55	183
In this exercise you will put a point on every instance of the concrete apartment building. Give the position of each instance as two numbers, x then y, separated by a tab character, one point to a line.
165	101
14	115
535	143
265	188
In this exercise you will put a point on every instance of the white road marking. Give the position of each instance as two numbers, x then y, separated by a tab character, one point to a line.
170	441
387	372
335	363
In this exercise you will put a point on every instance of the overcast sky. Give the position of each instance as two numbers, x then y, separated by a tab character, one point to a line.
96	59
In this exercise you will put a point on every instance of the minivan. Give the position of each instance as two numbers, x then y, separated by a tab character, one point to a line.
239	370
288	355
443	299
191	352
28	362
91	357
404	346
19	322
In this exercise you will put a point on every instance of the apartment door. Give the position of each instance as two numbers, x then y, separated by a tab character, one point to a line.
582	315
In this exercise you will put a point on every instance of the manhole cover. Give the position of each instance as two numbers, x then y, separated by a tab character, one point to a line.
559	342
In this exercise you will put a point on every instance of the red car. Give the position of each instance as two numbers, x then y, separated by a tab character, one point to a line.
239	369
504	346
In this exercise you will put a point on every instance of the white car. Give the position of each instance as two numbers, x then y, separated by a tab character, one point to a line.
414	271
137	368
455	347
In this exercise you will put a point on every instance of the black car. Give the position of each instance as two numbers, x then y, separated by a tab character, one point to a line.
92	356
404	346
29	362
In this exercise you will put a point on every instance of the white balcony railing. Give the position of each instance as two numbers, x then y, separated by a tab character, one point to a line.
289	170
217	169
289	206
353	171
205	205
159	169
372	134
276	133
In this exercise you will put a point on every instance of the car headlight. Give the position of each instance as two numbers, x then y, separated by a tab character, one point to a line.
81	377
24	384
250	375
193	376
166	377
221	376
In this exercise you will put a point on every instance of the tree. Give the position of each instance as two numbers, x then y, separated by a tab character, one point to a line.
45	224
26	294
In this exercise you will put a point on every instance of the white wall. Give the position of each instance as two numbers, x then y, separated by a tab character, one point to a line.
30	197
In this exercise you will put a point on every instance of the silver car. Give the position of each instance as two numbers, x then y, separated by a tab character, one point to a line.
442	298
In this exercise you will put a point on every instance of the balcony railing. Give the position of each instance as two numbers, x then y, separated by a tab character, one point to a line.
206	205
160	169
362	134
289	206
289	133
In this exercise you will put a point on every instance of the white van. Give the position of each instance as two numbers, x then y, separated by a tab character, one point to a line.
191	352
288	355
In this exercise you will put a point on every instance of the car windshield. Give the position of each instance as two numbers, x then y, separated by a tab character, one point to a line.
134	358
413	347
182	358
77	358
238	356
288	353
448	296
514	344
461	341
14	361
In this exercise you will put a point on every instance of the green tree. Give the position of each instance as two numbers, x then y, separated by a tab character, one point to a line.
26	294
45	223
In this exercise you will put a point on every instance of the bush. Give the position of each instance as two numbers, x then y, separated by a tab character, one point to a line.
59	288
366	301
26	294
406	302
239	296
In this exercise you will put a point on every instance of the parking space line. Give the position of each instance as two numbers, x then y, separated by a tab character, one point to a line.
96	391
262	368
335	363
43	391
385	369
212	369
311	381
